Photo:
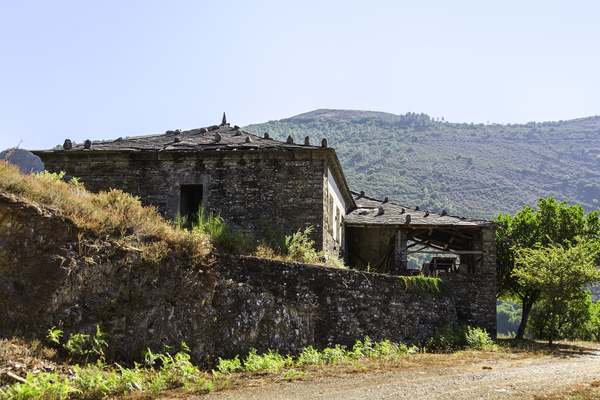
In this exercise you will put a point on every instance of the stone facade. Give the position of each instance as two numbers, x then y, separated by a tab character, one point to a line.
245	188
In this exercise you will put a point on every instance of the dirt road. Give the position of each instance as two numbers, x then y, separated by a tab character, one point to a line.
492	379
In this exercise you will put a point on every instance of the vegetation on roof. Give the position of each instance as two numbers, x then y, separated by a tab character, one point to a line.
423	286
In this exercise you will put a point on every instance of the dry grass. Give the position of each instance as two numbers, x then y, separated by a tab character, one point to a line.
113	213
583	392
108	214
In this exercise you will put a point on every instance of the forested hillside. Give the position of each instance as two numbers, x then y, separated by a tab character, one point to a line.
473	170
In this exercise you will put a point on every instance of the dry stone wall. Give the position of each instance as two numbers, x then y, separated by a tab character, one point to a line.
475	299
50	275
345	305
32	255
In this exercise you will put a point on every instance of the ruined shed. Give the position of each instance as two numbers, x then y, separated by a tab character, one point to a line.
244	177
382	234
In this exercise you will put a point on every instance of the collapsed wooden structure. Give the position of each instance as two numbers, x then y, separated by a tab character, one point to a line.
380	236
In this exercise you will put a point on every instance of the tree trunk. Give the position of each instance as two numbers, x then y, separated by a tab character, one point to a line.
527	305
542	329
554	309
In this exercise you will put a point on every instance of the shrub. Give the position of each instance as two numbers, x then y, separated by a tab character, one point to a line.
334	355
270	361
299	247
464	337
309	356
229	366
477	338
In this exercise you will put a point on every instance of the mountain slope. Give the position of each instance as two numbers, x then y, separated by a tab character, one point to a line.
472	170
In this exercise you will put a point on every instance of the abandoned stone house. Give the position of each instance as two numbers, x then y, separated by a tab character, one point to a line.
244	177
248	179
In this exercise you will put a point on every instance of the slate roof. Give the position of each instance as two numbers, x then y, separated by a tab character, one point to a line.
367	213
201	139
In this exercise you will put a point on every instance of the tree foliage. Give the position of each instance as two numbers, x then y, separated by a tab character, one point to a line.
552	223
577	319
558	272
508	317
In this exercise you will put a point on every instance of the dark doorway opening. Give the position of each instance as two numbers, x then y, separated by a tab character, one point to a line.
191	200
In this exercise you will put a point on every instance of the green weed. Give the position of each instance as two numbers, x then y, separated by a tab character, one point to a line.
423	286
81	345
270	362
309	356
229	366
464	337
54	334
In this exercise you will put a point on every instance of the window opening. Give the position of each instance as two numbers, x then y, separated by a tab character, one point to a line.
338	224
191	200
330	219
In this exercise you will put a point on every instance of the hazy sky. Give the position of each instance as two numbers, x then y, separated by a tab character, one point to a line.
105	69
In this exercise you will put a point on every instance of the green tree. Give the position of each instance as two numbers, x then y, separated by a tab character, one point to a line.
559	272
552	223
576	320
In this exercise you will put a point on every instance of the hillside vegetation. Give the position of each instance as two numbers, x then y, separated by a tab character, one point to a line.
472	170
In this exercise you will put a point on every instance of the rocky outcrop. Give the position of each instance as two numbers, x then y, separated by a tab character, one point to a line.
26	161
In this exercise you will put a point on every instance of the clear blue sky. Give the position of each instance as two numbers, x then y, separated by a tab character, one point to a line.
105	69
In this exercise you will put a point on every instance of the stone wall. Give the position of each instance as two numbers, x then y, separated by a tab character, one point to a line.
32	253
284	187
344	305
475	298
49	274
476	292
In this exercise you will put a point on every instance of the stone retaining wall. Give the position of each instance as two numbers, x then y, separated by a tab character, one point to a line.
231	306
344	305
475	298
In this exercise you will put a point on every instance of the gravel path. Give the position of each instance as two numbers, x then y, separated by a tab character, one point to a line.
498	379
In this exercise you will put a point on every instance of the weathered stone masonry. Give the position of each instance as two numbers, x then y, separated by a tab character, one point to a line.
284	187
235	304
248	179
245	177
345	305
